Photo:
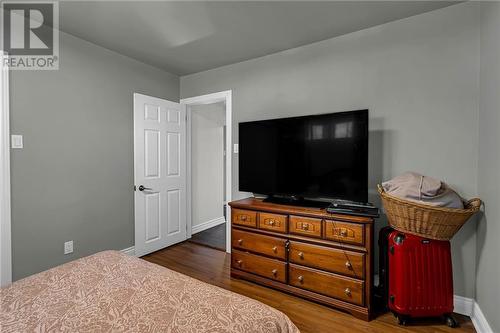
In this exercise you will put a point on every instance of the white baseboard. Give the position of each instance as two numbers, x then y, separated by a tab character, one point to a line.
469	307
129	250
463	305
207	225
479	320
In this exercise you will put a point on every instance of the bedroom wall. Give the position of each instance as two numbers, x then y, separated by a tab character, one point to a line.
488	231
419	78
207	163
74	178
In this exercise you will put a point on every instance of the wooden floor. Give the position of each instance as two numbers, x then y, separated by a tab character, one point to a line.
214	237
212	266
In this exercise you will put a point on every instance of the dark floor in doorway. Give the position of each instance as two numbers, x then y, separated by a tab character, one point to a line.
214	237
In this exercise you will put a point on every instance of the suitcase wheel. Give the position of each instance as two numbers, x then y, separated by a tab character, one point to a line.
402	320
450	321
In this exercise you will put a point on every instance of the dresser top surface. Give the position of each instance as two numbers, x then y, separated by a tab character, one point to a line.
258	204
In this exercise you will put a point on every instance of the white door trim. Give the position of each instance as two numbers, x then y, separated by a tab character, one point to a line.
5	213
223	96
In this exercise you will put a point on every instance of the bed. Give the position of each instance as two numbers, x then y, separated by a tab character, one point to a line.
113	292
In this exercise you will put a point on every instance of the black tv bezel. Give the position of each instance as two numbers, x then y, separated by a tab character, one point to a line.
294	198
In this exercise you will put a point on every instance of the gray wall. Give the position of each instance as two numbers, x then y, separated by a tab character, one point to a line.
418	77
73	179
488	231
207	162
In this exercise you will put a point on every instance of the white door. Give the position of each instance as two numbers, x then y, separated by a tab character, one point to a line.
160	173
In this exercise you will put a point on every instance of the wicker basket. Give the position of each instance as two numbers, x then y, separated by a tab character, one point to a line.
424	220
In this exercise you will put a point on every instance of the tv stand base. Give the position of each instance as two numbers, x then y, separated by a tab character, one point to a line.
296	201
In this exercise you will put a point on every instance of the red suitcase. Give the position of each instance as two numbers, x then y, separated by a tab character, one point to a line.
420	278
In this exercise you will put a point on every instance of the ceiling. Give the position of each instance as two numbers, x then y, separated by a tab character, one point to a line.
188	37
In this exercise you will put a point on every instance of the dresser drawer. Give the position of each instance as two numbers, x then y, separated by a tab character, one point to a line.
345	232
273	222
269	268
305	226
328	284
329	259
247	218
267	245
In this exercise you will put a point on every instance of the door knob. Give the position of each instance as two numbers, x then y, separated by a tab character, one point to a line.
142	188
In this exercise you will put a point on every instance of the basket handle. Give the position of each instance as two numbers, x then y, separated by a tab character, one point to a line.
474	203
380	188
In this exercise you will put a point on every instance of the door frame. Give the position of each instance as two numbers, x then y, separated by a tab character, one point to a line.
5	200
222	96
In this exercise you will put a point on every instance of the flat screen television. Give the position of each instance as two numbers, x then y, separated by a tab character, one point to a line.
315	157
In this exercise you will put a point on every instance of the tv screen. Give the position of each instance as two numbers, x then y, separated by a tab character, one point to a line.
318	156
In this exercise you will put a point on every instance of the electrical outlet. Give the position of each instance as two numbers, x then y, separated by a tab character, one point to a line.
16	141
68	247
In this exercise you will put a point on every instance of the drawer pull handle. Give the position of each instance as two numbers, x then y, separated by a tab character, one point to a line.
305	226
272	222
274	271
347	291
301	255
239	262
243	217
240	241
343	233
300	278
348	265
275	249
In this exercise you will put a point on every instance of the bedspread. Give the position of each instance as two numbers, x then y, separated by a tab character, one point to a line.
113	292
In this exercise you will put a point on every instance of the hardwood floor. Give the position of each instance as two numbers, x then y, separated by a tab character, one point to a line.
212	266
214	237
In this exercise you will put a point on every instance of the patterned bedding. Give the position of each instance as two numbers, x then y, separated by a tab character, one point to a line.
113	292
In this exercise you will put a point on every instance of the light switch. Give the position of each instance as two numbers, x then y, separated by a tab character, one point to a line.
17	141
236	148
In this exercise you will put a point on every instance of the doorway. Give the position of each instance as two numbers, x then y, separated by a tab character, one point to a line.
209	169
208	175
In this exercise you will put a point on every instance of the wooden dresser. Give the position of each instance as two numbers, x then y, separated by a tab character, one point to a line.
307	252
